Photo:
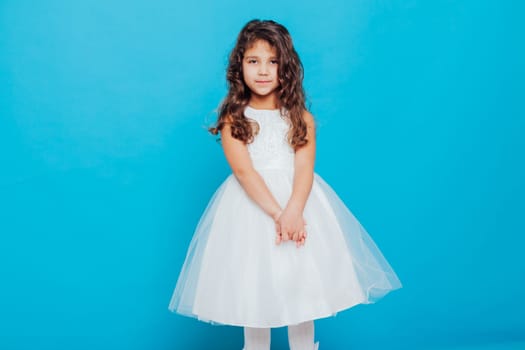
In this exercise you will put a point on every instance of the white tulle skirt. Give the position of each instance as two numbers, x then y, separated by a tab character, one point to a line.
235	274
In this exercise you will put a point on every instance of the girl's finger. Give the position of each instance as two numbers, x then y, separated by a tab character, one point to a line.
279	237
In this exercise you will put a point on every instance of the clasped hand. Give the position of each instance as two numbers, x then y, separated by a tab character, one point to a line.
290	226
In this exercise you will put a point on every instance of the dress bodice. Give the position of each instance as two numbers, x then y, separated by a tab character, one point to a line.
270	148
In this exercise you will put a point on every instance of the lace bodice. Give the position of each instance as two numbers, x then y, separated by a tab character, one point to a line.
270	148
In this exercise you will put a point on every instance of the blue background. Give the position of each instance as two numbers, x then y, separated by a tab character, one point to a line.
106	165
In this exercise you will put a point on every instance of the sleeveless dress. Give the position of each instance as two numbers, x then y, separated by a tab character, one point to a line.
235	274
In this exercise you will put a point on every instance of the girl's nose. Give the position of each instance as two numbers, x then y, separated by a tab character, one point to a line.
263	69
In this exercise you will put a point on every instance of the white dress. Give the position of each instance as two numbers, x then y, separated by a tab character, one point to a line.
235	274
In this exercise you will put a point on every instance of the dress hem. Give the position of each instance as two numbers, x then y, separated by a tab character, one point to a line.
317	316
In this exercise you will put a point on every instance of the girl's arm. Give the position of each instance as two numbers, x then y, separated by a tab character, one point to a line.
291	221
251	181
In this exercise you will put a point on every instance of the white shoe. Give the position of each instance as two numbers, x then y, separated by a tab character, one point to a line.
316	346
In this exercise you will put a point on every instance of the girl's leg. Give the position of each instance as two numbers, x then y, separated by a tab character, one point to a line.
301	336
256	338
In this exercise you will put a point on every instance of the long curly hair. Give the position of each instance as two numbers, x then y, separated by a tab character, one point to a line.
290	93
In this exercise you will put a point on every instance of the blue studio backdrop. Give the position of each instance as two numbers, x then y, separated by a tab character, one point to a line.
107	165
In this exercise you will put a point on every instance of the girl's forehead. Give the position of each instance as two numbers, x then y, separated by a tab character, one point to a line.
261	45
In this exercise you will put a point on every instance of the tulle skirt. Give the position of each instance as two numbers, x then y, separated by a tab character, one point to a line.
235	274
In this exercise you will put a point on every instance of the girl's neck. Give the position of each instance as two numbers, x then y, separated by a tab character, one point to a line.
263	102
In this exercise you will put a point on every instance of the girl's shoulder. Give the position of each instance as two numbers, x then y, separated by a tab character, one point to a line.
227	119
308	117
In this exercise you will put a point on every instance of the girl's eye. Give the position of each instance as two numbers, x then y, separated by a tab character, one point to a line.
274	62
252	61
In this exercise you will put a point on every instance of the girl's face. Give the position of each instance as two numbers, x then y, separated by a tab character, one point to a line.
259	66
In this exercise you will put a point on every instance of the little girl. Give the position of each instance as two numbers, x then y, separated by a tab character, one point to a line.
276	246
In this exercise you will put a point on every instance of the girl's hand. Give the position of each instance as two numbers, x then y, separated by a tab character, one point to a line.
290	225
277	226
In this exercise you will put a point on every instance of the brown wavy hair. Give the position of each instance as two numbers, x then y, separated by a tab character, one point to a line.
290	93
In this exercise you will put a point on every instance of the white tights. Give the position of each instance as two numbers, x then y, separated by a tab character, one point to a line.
300	337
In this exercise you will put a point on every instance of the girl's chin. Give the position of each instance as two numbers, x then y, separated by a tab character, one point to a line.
264	93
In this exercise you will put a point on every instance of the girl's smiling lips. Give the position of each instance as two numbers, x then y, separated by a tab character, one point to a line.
263	81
